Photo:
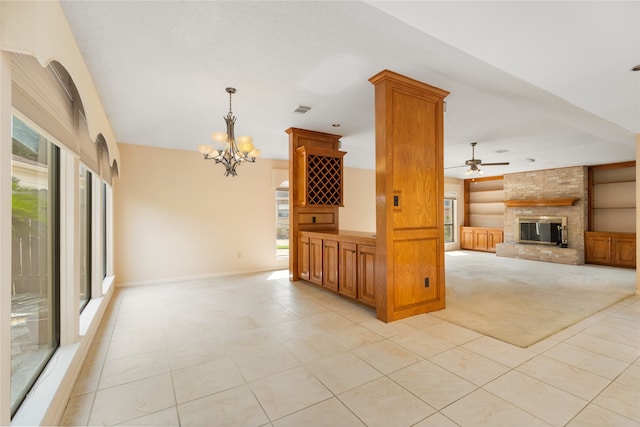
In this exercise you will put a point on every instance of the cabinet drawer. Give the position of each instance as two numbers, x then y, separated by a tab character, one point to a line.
316	218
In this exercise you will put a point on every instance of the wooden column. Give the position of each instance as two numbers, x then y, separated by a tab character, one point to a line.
305	214
409	276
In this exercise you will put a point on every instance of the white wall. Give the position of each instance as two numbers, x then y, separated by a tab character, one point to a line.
178	217
359	211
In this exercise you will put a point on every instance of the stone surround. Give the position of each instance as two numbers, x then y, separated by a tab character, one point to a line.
547	184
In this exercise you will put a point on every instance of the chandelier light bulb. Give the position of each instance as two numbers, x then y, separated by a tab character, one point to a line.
205	149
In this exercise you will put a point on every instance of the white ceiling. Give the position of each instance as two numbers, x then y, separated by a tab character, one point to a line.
550	81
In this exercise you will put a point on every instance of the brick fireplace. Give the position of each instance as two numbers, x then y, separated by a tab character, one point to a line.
547	186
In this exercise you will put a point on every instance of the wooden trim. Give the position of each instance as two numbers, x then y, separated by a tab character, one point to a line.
467	197
589	199
619	165
485	178
565	201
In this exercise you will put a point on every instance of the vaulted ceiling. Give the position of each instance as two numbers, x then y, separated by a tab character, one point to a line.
548	81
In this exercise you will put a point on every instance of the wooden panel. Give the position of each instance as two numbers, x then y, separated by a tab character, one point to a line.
366	274
315	261
330	264
466	237
303	257
480	239
597	248
623	252
414	154
495	237
348	269
415	263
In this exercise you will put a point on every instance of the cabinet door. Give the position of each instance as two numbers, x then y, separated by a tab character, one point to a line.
466	238
623	252
480	239
598	249
366	274
495	237
348	268
303	257
315	261
330	264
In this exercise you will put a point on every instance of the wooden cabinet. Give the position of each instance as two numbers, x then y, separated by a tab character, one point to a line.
311	205
348	269
315	260
495	237
342	262
610	248
366	274
480	238
319	177
330	264
466	238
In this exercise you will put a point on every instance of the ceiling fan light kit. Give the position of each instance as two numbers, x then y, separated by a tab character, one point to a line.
474	163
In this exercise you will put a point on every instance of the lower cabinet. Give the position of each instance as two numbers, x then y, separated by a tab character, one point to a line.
366	274
348	270
315	260
609	248
342	266
330	264
480	238
303	257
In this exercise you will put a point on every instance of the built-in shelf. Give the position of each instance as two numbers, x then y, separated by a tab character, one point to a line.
563	201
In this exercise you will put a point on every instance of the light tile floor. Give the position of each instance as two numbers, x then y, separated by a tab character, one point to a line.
258	350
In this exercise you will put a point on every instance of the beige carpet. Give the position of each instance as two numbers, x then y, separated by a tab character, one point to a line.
522	302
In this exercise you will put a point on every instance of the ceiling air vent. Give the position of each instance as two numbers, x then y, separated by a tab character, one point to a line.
300	109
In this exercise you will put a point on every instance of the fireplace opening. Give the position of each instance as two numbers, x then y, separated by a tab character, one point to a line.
542	230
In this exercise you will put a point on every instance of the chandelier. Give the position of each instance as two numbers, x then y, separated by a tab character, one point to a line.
230	154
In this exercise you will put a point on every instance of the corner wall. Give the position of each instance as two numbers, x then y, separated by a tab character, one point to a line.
547	184
177	217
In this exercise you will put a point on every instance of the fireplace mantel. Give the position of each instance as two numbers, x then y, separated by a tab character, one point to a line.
563	201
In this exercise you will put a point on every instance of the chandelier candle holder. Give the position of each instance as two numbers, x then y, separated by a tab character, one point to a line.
231	154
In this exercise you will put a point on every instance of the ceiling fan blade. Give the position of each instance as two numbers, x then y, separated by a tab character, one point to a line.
495	164
453	167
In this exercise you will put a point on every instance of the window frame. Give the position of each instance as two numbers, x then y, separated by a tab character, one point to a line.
452	223
54	215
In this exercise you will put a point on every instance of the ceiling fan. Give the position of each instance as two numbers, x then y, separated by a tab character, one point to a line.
473	163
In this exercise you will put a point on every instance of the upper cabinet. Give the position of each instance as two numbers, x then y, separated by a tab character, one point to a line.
319	178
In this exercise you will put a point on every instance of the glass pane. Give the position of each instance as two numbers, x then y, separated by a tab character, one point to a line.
282	222
85	237
448	220
104	229
33	296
